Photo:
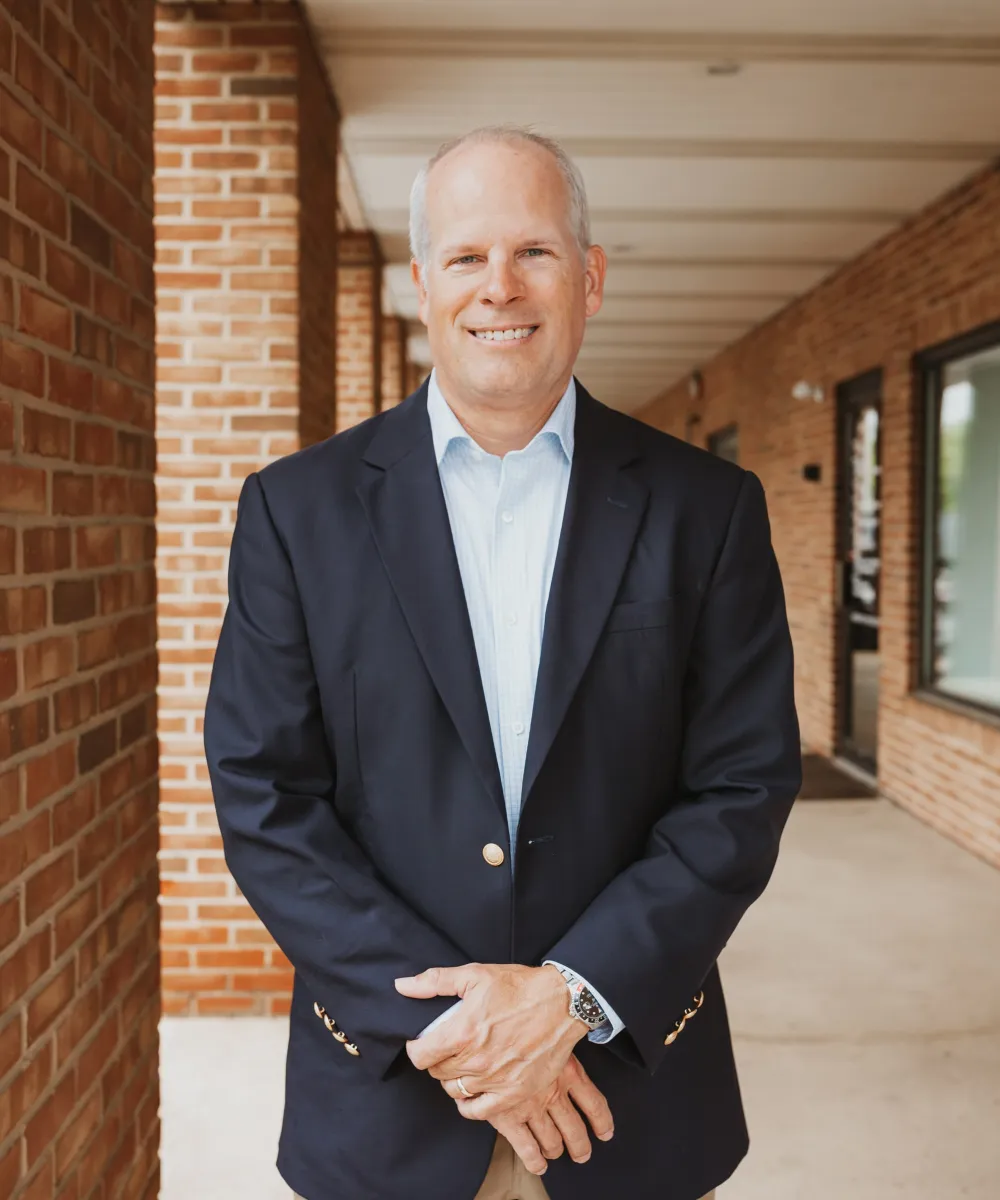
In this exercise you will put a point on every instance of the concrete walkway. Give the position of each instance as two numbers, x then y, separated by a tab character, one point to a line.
864	991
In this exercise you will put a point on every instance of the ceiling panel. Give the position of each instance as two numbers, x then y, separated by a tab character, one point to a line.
847	17
810	102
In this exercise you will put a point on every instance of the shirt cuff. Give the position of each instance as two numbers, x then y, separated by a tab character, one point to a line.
603	1033
443	1017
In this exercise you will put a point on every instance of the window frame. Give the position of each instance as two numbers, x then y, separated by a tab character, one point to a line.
929	366
733	427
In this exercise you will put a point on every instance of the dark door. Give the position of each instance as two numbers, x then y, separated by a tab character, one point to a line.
859	495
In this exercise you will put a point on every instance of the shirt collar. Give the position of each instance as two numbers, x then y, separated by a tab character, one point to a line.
446	427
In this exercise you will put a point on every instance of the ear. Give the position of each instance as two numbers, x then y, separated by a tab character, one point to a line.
418	279
595	273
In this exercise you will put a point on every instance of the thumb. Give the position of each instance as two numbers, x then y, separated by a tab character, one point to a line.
436	981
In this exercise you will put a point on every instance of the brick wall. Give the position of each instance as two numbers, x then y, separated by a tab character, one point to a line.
317	158
937	277
393	361
359	328
79	969
246	263
416	373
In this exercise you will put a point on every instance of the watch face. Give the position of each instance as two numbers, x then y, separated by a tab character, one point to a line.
588	1008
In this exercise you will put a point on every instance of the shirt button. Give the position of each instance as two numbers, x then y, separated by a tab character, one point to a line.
518	727
507	517
512	619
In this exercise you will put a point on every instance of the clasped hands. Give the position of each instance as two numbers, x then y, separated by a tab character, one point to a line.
511	1043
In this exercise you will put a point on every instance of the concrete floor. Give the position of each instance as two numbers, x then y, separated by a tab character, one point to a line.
864	991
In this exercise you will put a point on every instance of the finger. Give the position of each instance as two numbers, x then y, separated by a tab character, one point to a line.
525	1146
591	1101
486	1106
546	1134
571	1129
435	981
438	1049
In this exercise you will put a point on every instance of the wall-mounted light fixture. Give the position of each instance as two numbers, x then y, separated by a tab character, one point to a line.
803	390
696	385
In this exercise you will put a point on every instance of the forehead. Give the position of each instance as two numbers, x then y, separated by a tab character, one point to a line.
497	185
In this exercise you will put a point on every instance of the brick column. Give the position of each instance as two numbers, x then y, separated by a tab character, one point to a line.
393	361
359	327
79	968
246	141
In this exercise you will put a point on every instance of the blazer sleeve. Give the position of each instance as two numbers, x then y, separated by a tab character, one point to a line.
344	930
651	936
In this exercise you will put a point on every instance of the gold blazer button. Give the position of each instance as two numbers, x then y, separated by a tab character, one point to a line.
351	1049
493	854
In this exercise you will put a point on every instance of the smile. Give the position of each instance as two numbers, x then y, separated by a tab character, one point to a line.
519	334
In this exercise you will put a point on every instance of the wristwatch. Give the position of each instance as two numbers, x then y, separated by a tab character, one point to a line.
582	1003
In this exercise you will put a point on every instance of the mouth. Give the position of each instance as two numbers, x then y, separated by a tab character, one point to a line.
515	335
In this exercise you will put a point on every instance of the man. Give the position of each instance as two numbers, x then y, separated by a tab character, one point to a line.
502	739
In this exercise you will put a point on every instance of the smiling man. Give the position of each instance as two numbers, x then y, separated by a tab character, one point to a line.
502	739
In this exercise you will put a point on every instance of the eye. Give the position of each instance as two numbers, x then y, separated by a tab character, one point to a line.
533	250
463	260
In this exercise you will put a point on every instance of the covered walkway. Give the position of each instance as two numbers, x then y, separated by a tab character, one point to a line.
864	992
203	267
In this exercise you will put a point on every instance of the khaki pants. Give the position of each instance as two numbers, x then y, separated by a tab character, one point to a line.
509	1179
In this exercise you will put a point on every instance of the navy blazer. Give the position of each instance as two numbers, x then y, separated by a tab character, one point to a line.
356	785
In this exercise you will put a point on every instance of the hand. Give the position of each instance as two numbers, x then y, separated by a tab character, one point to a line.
540	1128
510	1039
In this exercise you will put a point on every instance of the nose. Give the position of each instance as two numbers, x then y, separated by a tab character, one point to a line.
503	284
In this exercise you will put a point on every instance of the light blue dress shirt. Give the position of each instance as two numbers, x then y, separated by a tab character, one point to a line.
506	515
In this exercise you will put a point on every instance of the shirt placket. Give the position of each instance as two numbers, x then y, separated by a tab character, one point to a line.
511	616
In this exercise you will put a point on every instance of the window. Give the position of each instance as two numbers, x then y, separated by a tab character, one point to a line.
960	640
726	443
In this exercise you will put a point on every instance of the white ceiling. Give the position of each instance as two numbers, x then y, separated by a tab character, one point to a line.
719	197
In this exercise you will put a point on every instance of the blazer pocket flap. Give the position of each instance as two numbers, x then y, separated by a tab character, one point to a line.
641	614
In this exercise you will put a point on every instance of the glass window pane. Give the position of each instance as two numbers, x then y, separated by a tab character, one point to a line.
726	443
966	593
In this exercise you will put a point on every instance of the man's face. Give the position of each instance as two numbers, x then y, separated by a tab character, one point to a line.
504	261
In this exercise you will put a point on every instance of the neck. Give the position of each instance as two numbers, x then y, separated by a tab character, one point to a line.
495	423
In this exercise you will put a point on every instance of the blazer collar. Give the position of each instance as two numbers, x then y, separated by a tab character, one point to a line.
404	502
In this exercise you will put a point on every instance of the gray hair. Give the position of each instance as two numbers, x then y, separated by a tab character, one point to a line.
579	213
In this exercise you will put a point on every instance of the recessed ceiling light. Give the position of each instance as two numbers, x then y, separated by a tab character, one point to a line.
724	68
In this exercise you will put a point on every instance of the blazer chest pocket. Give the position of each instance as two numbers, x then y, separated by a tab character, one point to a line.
641	614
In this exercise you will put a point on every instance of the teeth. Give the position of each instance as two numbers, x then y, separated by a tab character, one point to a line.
505	335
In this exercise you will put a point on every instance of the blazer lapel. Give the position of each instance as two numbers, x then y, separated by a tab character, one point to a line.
604	509
405	506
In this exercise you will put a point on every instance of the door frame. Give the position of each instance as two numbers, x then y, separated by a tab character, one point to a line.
851	394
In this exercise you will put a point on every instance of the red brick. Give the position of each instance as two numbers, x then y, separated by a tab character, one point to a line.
40	80
45	434
23	968
8	550
22	610
19	127
20	245
40	202
70	385
67	275
47	660
21	367
22	489
64	49
42	891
